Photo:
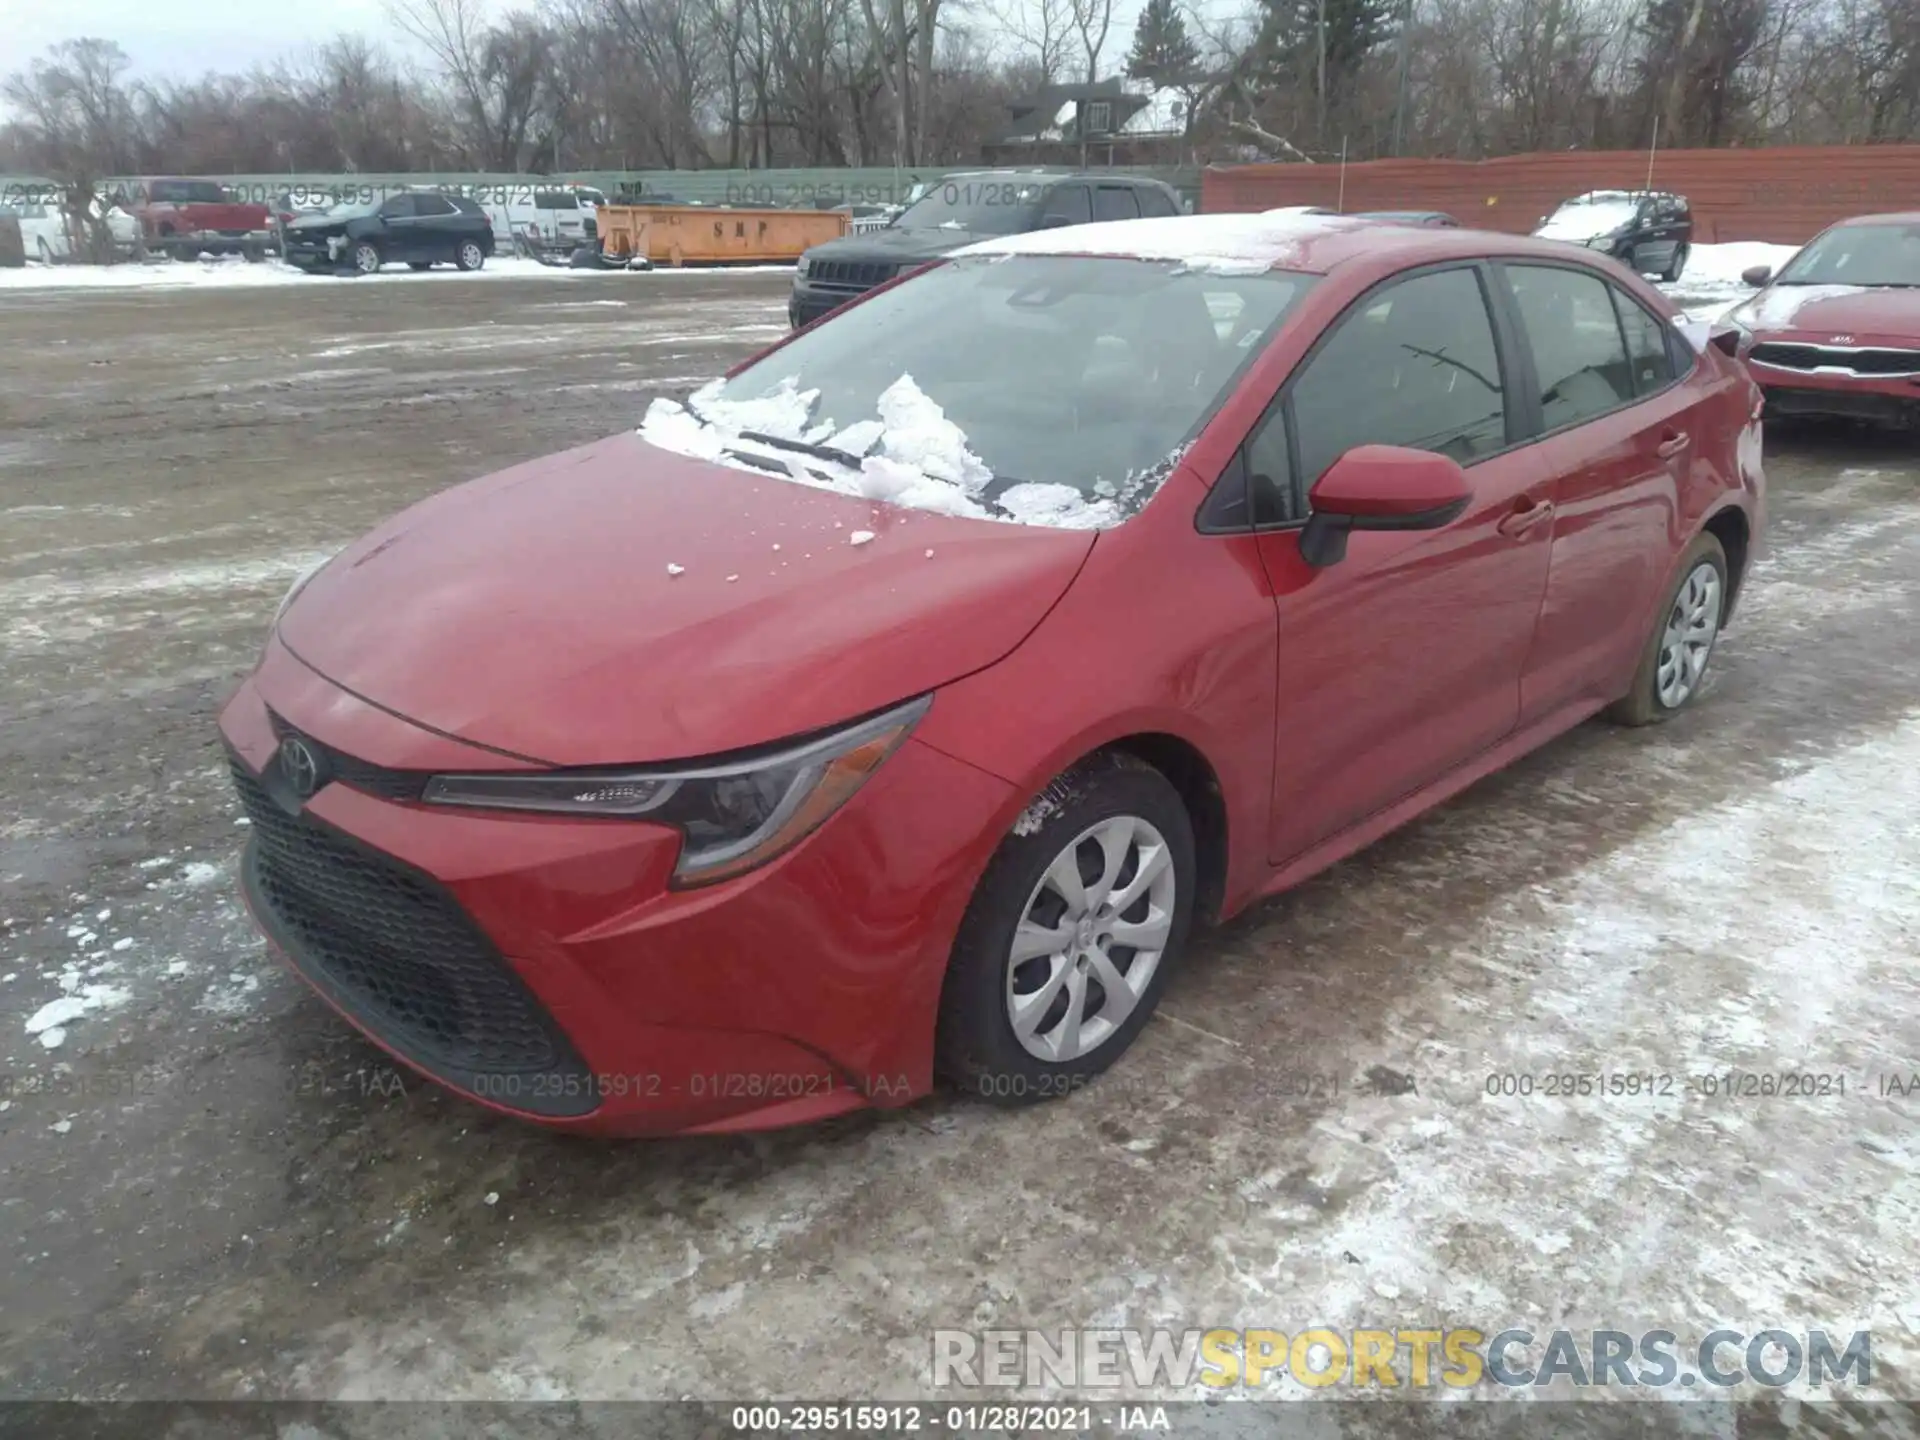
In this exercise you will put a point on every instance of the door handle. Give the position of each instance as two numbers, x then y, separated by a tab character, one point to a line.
1526	513
1672	443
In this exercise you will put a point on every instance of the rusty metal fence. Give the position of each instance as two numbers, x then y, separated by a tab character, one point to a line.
1783	195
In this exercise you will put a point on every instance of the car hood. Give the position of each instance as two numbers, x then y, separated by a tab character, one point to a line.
1817	313
896	247
318	222
621	604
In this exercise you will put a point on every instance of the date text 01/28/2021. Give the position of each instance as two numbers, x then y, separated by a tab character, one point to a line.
1014	1419
1711	1085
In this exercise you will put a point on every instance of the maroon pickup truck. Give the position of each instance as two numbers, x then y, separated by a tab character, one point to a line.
187	217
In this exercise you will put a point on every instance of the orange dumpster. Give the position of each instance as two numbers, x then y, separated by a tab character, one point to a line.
705	235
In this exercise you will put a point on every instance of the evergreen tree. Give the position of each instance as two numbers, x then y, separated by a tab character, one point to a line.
1162	51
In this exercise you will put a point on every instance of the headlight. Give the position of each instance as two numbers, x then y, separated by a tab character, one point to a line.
733	816
801	266
299	584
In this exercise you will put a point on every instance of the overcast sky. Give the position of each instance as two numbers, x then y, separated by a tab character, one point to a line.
184	39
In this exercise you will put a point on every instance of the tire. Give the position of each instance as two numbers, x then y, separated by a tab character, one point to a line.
1677	266
366	258
1112	797
1698	597
419	264
469	256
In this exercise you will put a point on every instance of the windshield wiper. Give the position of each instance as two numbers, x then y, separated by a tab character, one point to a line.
803	447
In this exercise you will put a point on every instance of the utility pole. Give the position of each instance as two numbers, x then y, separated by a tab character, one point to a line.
1400	87
1320	131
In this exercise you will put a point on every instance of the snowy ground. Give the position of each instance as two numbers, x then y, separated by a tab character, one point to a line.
1712	285
214	1189
235	272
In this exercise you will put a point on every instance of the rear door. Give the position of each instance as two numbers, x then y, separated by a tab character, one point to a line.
1403	660
436	227
1616	430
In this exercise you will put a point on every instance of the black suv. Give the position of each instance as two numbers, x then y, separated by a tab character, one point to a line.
417	226
1645	230
958	210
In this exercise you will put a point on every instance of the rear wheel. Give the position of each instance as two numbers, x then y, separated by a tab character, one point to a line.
1674	663
469	256
1065	949
1677	266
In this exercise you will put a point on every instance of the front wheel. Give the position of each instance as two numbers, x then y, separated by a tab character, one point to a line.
366	257
1065	949
470	256
1677	266
1674	663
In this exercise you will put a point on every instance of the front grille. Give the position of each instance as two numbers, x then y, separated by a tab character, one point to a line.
849	274
359	774
1879	364
394	950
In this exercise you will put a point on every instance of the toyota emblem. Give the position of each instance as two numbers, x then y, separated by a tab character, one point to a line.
300	765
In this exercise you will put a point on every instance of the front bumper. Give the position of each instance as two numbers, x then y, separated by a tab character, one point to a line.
808	303
1793	394
540	966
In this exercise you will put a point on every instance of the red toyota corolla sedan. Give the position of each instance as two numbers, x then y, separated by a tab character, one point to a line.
1837	331
899	704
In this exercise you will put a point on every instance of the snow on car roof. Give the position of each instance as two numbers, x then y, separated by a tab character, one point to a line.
1224	244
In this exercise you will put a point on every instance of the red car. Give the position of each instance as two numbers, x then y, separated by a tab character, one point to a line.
899	704
1837	331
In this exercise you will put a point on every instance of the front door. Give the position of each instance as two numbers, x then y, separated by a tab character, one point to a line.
1401	661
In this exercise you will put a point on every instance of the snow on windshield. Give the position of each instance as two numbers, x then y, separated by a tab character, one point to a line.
1212	244
1600	213
910	454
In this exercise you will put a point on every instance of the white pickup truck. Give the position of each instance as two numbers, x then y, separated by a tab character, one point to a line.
540	217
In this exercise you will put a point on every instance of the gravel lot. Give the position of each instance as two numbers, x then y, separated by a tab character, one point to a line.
214	1189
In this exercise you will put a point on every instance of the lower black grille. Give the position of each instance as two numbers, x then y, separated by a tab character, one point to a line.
1881	363
849	274
395	951
1788	403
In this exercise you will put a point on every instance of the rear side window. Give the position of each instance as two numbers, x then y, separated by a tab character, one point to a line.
1648	353
1071	202
1116	202
1155	202
432	205
1414	365
1575	336
1270	470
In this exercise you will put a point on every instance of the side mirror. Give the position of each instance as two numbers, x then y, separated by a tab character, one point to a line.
1756	275
1054	222
1380	487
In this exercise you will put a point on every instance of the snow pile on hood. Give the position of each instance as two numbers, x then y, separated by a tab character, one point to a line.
1216	244
912	455
1599	213
1776	309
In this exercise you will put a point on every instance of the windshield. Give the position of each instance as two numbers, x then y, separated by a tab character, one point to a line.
1589	215
1052	390
982	204
1858	255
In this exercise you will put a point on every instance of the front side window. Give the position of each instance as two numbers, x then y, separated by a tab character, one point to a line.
1578	354
1414	365
1648	349
1070	203
1041	388
1869	255
398	207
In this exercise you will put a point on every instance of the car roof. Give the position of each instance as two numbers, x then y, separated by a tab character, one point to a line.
1251	243
1049	177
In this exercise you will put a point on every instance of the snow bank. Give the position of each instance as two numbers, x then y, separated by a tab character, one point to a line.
911	455
236	273
1217	244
